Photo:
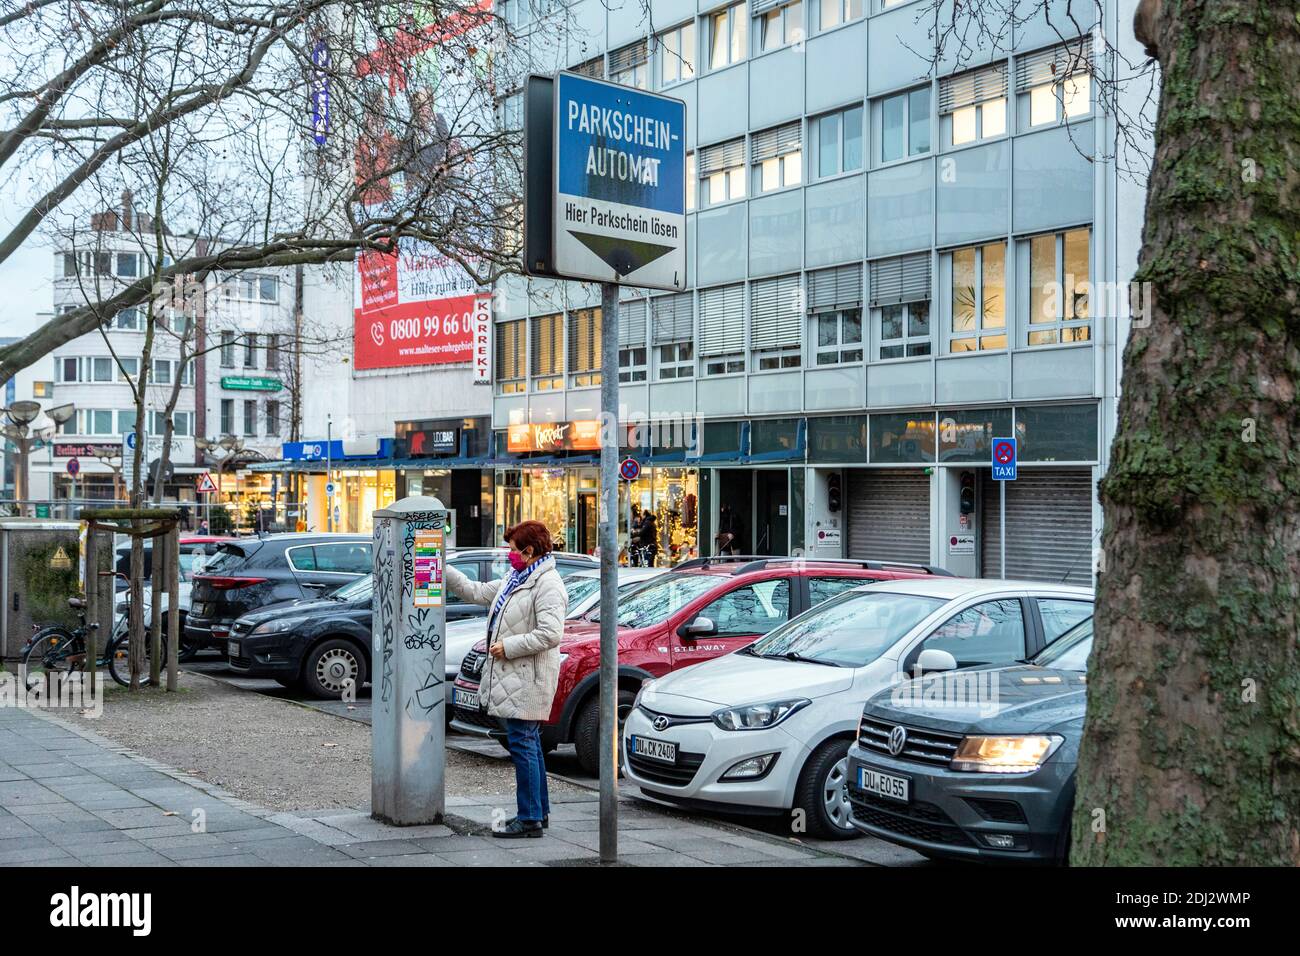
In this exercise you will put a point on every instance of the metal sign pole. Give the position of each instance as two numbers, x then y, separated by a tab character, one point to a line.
1002	529
608	569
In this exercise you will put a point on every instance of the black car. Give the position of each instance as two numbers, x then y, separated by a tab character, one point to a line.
247	574
322	644
980	763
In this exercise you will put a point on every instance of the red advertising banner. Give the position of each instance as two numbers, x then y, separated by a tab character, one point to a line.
414	308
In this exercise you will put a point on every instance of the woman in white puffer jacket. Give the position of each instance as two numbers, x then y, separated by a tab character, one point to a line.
526	611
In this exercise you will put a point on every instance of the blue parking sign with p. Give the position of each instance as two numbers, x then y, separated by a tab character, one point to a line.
1004	459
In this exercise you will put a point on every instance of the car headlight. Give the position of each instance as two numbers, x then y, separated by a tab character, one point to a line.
757	716
1020	753
278	625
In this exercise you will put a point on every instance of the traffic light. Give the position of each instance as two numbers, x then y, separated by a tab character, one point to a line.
833	492
967	504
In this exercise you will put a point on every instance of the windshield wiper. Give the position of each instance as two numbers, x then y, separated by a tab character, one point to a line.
800	658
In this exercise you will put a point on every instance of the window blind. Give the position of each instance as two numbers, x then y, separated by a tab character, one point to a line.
771	143
632	323
775	313
624	58
973	86
720	156
672	315
900	279
595	68
837	288
1055	63
510	350
548	345
722	320
584	340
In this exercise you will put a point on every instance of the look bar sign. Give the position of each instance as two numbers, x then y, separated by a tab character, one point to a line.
620	175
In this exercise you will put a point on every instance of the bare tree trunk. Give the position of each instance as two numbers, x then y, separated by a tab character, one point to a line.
1191	750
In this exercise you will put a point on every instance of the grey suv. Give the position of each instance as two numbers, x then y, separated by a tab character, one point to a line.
976	764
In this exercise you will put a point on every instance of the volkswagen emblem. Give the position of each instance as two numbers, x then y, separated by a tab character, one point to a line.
661	722
897	740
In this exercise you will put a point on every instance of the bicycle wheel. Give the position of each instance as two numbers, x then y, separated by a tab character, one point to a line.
119	660
53	650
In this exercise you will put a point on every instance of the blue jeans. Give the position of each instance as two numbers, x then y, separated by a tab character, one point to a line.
524	738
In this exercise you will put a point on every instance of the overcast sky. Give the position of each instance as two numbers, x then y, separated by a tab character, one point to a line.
26	276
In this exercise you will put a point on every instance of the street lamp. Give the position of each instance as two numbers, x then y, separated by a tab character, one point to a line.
20	416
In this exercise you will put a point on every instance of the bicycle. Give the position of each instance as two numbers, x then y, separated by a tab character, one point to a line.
56	649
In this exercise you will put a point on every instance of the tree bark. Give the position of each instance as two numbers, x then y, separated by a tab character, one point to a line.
1191	749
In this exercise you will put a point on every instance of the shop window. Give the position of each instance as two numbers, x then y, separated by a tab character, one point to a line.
510	362
967	434
974	105
548	352
837	139
1055	84
777	26
1057	432
727	36
901	439
584	348
905	125
837	438
834	12
777	157
1059	307
977	297
677	54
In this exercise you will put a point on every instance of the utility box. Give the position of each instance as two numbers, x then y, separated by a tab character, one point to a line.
39	560
408	654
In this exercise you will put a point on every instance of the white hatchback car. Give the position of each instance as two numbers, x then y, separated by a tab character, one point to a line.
767	728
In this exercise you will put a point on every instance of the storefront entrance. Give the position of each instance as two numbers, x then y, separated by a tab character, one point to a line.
772	512
588	515
754	508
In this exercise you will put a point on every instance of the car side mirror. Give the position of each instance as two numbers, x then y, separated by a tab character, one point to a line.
932	659
700	627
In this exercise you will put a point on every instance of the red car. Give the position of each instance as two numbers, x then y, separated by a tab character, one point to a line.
702	609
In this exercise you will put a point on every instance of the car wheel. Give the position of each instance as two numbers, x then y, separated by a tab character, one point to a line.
329	665
822	793
586	733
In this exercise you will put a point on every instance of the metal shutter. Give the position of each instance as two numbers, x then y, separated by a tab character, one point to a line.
624	58
974	86
837	288
584	340
775	315
673	318
777	142
1056	63
548	345
889	515
901	279
1049	525
722	320
720	156
631	324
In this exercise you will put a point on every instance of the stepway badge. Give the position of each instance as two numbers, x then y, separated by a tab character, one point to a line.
620	195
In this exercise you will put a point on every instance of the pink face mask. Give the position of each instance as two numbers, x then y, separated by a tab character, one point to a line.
518	561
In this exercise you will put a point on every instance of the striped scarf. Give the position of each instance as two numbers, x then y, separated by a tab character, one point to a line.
513	580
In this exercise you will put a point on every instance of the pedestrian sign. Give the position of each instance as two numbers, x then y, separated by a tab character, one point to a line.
1004	459
205	485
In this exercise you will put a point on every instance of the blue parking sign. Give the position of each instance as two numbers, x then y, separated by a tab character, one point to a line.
1004	459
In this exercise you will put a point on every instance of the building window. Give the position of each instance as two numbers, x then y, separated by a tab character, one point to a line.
978	298
727	38
835	305
777	157
99	421
70	269
1059	309
128	369
974	104
68	370
273	352
127	265
776	318
778	27
250	416
677	54
273	418
1056	83
838	137
584	348
125	420
548	351
722	329
186	372
905	125
632	350
900	306
101	370
692	181
162	372
227	416
227	349
250	350
839	336
722	172
510	374
128	320
629	65
103	263
835	12
182	423
594	68
673	320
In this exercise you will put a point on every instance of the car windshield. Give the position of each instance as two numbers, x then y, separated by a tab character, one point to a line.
579	590
849	631
354	591
1070	651
662	598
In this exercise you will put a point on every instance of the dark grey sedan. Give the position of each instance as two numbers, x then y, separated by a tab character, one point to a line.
976	764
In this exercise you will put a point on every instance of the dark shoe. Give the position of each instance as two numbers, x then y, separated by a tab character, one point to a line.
546	821
516	829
